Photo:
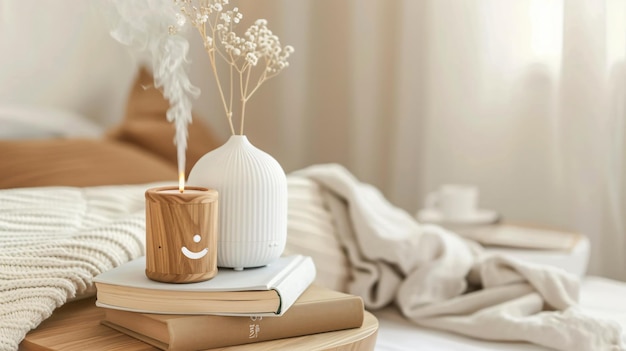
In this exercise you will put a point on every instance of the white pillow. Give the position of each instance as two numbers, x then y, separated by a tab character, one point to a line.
35	122
311	231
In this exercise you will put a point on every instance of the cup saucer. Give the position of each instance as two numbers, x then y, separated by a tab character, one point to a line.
479	217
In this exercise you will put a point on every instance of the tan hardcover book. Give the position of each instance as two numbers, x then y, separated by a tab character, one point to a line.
317	310
268	290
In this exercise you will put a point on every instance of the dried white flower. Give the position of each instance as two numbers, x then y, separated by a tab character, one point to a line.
225	17
252	59
208	41
257	47
180	20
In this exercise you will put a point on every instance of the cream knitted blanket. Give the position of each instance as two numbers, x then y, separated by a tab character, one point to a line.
54	240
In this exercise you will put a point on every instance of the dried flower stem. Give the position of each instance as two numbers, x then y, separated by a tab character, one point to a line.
211	54
242	54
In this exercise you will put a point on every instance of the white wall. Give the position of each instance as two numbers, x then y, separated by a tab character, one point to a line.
59	54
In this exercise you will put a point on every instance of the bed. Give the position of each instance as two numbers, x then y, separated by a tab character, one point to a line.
96	161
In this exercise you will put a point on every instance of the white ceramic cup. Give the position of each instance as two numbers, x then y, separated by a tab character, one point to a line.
454	201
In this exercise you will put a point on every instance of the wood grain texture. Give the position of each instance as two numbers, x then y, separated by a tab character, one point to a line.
76	327
181	234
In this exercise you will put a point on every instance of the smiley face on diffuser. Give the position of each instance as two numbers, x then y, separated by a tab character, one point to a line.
195	255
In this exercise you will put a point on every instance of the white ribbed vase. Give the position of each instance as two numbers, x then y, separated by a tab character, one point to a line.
252	190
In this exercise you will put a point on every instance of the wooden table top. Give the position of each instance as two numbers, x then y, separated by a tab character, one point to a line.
76	327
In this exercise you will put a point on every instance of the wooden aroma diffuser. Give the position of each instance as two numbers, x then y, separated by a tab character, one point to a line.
181	234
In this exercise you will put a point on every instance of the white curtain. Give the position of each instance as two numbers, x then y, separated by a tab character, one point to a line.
523	98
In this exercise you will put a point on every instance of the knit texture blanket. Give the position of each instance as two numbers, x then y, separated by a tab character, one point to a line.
54	240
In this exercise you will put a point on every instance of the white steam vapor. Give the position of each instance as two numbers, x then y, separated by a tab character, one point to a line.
145	25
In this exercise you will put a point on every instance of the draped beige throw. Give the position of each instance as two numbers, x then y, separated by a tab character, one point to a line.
439	280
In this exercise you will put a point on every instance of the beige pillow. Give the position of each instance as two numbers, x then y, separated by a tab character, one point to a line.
146	125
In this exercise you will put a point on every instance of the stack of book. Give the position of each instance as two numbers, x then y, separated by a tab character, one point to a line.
234	308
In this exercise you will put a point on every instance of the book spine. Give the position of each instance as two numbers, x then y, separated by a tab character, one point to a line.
294	284
220	331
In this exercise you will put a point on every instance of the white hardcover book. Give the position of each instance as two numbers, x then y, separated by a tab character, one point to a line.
264	291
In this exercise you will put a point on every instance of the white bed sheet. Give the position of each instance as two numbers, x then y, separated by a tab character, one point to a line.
600	297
